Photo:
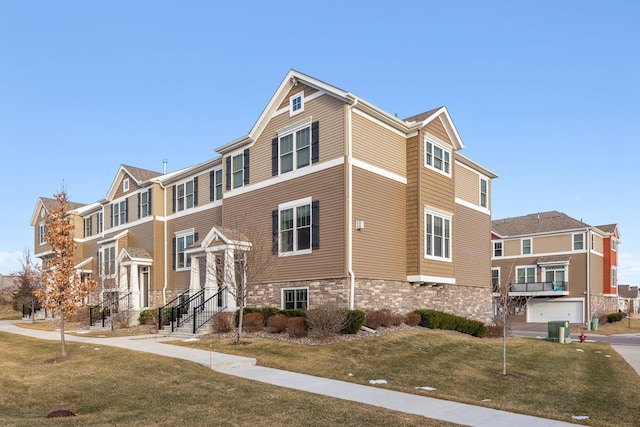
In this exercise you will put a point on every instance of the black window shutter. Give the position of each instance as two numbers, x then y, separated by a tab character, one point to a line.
274	232
149	202
195	191
174	253
173	199
110	215
246	166
274	157
315	225
211	185
90	226
126	210
139	202
315	142
227	174
195	237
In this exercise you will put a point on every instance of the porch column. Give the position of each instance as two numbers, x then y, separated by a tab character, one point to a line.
135	288
123	286
194	280
211	279
230	278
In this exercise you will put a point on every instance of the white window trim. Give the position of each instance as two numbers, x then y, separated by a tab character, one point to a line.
525	267
217	184
428	210
297	288
184	186
573	241
291	103
493	252
125	184
104	249
41	238
486	193
445	149
499	277
120	203
292	205
234	171
530	246
292	130
564	265
178	235
614	273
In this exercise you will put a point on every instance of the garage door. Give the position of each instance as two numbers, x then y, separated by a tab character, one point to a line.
547	310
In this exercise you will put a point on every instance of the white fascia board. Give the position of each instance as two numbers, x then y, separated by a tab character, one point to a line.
431	279
448	125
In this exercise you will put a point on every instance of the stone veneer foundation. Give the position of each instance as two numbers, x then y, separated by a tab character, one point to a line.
370	294
601	305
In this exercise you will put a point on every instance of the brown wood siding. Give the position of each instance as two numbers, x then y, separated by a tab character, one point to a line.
467	185
379	249
378	146
549	244
471	232
596	263
327	110
201	223
251	214
133	186
157	269
511	247
308	90
578	275
436	128
157	200
413	207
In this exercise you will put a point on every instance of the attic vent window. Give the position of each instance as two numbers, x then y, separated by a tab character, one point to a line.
125	184
296	104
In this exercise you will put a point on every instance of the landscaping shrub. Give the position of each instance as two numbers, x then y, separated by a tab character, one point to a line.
223	322
412	319
373	319
253	322
494	331
268	312
355	320
293	312
246	311
438	320
325	320
296	327
614	317
147	317
277	323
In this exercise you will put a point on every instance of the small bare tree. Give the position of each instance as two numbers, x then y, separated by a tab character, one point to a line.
27	281
65	290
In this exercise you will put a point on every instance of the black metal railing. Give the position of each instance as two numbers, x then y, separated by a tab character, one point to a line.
167	313
555	286
108	308
184	313
204	312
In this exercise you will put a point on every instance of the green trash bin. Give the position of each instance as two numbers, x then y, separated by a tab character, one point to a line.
594	324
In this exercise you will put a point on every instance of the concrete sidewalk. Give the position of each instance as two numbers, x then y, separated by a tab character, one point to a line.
245	367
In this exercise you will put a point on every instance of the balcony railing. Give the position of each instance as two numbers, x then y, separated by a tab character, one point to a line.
539	288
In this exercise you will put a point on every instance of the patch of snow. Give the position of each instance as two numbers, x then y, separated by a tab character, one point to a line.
580	417
607	355
350	374
96	348
426	388
82	332
486	400
580	350
190	339
598	352
377	381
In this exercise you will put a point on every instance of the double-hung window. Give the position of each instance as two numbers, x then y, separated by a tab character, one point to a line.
483	192
215	185
295	298
295	150
495	277
185	193
526	274
87	227
295	227
183	241
144	201
41	238
119	213
237	170
100	222
437	243
497	249
578	241
437	157
109	261
526	246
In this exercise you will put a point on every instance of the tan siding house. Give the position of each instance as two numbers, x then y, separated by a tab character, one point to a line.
329	199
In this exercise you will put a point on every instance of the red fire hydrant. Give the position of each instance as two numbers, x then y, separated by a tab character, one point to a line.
583	337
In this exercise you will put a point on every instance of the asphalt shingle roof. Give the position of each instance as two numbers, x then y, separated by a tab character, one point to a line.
535	223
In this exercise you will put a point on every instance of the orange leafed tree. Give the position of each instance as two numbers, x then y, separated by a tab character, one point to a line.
64	290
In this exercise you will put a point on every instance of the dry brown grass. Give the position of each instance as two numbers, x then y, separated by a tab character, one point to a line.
107	386
545	379
625	326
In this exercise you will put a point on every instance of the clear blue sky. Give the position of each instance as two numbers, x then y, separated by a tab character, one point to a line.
545	93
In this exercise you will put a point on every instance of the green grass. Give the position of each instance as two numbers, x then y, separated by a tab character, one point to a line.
544	379
116	387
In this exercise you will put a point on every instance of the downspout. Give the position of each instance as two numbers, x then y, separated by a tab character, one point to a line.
588	243
352	275
164	288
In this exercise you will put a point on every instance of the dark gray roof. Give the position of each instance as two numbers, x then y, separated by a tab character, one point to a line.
139	174
609	228
138	253
51	204
627	291
554	258
422	116
541	222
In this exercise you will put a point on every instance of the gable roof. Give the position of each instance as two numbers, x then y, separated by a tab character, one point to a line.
49	205
140	176
610	229
543	222
293	77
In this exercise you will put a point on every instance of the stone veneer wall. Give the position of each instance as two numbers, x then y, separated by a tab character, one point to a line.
601	305
370	294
